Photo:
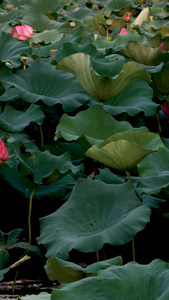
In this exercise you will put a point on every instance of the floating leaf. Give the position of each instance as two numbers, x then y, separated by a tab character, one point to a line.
124	150
86	222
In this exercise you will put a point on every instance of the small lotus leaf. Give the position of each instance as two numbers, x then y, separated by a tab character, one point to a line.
96	213
123	151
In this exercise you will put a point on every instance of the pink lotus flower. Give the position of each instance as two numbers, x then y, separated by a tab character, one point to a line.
123	31
162	46
3	152
22	32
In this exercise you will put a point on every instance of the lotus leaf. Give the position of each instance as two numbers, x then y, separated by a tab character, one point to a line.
93	131
86	221
12	50
65	272
42	81
102	87
123	151
54	168
131	282
126	101
16	121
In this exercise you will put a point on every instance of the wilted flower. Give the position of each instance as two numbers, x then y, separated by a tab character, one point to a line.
3	152
126	17
123	31
22	32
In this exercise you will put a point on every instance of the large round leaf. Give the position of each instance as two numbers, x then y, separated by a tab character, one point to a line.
124	150
130	282
98	127
12	50
101	87
96	213
42	81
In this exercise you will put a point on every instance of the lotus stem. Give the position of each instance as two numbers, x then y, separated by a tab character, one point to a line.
41	135
107	33
133	250
13	286
29	216
97	256
128	175
158	120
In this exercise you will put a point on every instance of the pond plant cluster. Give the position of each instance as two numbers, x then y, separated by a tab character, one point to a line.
84	146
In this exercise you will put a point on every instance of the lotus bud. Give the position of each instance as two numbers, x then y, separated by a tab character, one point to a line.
3	152
126	17
151	19
162	46
165	108
123	31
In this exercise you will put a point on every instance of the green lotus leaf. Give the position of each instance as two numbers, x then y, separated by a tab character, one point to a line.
102	87
4	259
45	51
119	41
65	272
6	19
16	121
54	168
127	101
160	80
142	53
155	163
91	132
124	150
117	282
88	223
107	176
13	49
58	189
10	94
152	184
35	14
42	81
47	36
82	14
3	272
117	5
41	296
